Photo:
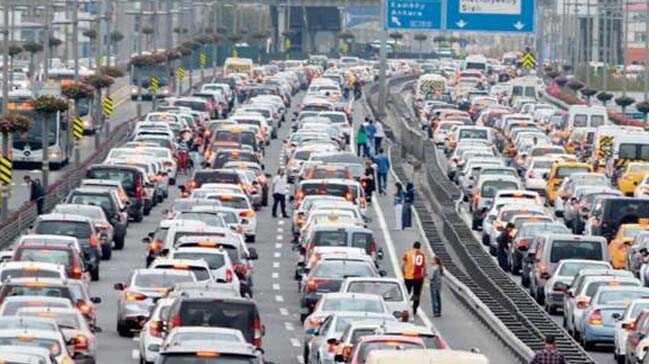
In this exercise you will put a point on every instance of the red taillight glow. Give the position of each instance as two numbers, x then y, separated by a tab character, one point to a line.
81	343
175	321
258	332
229	275
595	318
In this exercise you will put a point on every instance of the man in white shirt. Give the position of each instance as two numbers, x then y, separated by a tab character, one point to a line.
280	190
379	135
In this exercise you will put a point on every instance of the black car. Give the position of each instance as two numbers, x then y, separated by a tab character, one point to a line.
132	179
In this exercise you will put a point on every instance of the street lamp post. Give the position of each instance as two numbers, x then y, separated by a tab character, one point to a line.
5	96
46	56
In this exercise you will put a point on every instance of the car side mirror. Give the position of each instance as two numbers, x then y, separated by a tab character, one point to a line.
379	254
546	175
151	234
146	240
616	316
118	286
95	300
164	252
560	286
252	254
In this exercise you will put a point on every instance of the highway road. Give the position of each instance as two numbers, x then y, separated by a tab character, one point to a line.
276	291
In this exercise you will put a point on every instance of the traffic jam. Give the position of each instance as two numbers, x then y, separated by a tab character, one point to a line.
204	170
557	195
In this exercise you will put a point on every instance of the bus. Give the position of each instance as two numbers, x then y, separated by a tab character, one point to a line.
28	148
237	65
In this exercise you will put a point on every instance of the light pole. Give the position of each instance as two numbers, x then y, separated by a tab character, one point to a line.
46	57
383	61
5	97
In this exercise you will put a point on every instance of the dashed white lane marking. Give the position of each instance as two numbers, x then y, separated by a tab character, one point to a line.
135	354
280	237
276	287
300	359
278	255
279	298
275	264
136	338
283	311
280	222
280	230
296	343
278	245
275	275
289	326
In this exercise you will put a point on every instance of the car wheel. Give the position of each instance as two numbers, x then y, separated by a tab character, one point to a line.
139	216
475	224
525	280
587	345
620	359
106	251
122	329
540	296
94	274
485	239
550	309
146	212
492	250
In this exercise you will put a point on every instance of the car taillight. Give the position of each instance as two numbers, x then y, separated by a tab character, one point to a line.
175	321
247	214
76	272
155	328
371	248
84	307
81	343
134	296
258	332
228	275
595	318
583	302
139	191
94	241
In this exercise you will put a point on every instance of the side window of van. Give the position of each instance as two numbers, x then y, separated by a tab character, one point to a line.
580	121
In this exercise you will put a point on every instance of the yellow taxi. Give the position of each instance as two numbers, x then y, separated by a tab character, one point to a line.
559	171
633	174
618	247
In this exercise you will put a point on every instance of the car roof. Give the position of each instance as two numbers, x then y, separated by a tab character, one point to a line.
64	217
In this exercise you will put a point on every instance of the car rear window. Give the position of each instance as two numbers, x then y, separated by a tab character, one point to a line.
127	177
38	290
55	256
10	307
214	261
201	273
567	171
592	288
215	177
568	249
188	358
329	189
92	199
490	188
28	273
353	304
620	296
79	230
220	313
341	269
390	291
330	238
367	348
235	202
152	280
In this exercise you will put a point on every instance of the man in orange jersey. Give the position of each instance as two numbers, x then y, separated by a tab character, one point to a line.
413	267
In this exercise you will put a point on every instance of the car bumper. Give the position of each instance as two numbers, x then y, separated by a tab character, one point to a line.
535	184
600	334
554	298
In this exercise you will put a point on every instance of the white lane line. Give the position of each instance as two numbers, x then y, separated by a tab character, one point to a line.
276	287
280	230
388	238
136	338
296	343
283	311
280	237
280	222
278	245
289	326
277	255
279	298
275	264
275	275
135	354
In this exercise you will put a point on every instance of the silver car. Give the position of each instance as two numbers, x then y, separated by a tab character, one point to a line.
139	295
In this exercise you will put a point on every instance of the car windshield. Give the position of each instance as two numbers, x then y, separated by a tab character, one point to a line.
570	269
214	261
490	188
571	249
352	304
209	219
79	230
563	172
127	177
183	337
367	348
160	280
206	359
622	296
27	254
28	273
390	291
340	269
93	213
93	199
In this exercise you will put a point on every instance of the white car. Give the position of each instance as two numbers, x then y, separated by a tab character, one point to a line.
24	269
534	175
218	261
184	334
621	333
241	203
151	335
563	276
392	290
642	190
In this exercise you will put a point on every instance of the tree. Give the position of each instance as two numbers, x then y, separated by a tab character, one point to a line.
575	85
76	90
10	123
32	48
588	92
421	38
604	97
55	42
235	38
624	102
47	104
396	37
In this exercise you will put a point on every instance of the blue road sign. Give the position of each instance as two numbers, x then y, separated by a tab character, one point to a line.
513	16
413	14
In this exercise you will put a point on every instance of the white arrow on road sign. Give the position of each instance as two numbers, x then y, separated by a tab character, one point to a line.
461	23
396	21
518	25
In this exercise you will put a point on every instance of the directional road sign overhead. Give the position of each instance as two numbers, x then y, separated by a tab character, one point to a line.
513	16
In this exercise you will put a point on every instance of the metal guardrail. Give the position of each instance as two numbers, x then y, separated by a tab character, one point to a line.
471	265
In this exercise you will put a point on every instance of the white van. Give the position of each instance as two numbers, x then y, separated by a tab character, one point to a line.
476	62
524	87
583	116
425	356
